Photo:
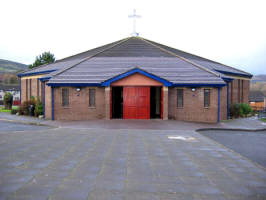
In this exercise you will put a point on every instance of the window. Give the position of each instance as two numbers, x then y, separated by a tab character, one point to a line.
207	97
180	97
65	97
91	97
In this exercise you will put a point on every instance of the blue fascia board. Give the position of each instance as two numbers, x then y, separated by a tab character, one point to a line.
227	79
133	71
99	85
42	79
35	73
198	85
234	73
73	84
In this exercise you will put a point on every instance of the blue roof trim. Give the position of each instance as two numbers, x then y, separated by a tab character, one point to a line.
42	79
227	79
35	73
233	73
99	85
133	71
198	85
73	84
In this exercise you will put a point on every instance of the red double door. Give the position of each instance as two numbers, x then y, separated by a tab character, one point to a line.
136	102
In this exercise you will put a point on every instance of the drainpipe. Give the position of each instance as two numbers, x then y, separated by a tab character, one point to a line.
20	91
43	96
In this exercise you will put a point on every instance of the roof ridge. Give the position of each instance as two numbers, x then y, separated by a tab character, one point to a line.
202	57
182	58
86	58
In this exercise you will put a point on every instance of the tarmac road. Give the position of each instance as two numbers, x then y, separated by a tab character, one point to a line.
249	144
13	126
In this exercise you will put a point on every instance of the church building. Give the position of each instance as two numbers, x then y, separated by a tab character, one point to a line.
136	78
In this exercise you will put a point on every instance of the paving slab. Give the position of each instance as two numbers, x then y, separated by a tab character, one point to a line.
64	163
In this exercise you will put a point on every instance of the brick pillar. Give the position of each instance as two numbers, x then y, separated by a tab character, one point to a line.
165	103
107	102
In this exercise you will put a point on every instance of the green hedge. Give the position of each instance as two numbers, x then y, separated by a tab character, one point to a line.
240	110
38	107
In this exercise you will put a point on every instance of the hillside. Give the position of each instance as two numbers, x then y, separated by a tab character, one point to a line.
7	66
258	83
259	78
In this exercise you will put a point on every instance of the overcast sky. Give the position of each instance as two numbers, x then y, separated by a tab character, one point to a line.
229	31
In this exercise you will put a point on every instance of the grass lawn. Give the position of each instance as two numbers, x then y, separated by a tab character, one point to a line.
263	119
2	109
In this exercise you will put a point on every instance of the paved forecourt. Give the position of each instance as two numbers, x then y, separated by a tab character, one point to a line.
64	163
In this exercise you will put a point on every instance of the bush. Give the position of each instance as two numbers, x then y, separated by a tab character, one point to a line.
24	109
14	111
8	100
240	110
235	110
246	109
20	110
38	108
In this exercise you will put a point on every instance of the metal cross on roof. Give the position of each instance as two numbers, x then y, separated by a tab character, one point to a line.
134	16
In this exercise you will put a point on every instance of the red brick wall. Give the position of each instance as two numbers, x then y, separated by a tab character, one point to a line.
48	102
23	90
33	91
193	108
223	103
34	87
246	86
78	108
240	91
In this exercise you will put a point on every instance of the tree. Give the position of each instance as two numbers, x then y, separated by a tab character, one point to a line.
44	58
8	100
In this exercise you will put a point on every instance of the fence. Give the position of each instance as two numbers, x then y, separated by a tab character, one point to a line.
258	108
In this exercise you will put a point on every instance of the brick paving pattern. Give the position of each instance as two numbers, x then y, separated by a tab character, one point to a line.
63	163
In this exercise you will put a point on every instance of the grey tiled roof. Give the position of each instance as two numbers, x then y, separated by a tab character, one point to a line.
103	63
212	65
99	69
59	65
